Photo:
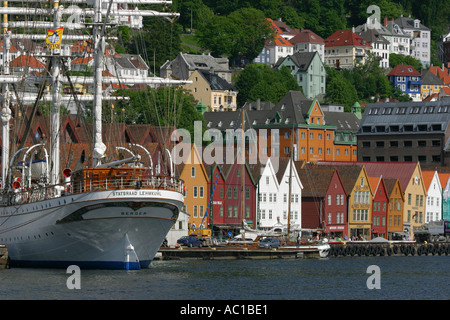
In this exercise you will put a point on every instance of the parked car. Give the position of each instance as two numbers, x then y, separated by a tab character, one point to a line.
240	242
190	241
269	243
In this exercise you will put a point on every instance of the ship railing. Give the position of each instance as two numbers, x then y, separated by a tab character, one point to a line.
35	194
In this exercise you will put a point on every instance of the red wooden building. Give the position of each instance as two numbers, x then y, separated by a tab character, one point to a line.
380	206
227	213
324	200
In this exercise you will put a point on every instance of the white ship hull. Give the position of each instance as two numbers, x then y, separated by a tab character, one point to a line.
114	229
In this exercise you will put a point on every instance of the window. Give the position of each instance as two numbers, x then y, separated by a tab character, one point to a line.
195	192
195	211
201	192
192	171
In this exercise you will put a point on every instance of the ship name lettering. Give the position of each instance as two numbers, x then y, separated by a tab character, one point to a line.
133	213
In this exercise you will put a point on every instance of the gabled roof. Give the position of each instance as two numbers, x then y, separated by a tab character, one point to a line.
408	23
278	40
427	176
403	70
25	60
390	170
301	59
306	36
442	73
216	82
429	78
443	178
281	28
343	121
374	183
294	106
205	61
315	179
373	36
81	60
390	185
343	38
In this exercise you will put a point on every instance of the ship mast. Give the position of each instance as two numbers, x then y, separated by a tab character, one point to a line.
56	101
99	45
6	111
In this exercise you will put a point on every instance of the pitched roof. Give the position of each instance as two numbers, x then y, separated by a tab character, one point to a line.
81	60
25	60
390	170
305	35
390	185
301	59
278	40
315	180
403	70
216	82
429	78
443	178
442	73
281	28
343	38
433	114
343	121
408	22
373	36
427	176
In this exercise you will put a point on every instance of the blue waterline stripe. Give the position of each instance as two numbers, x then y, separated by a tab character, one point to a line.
112	265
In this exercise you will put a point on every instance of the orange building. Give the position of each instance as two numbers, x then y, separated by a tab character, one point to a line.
395	209
313	132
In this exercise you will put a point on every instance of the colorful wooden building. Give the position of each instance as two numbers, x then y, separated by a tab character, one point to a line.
379	207
395	210
324	200
196	179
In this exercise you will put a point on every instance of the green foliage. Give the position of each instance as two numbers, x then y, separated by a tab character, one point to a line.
162	107
365	82
260	81
396	59
241	34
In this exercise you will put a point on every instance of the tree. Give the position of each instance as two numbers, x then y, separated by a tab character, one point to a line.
166	106
396	59
241	34
260	81
341	91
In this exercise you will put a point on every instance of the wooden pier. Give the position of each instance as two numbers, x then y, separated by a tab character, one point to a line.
237	253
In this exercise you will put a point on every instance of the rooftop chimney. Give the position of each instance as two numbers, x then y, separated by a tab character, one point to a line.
385	21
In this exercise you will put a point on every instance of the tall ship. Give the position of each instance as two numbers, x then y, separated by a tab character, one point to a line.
108	213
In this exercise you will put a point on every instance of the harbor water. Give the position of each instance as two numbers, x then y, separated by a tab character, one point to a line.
342	278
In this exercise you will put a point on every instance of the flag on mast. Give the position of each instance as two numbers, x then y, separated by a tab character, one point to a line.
53	40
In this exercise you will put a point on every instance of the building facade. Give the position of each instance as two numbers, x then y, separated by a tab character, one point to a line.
344	48
309	72
407	79
210	89
405	132
395	211
420	38
379	207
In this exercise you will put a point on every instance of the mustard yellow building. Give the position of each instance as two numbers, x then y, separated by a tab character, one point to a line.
191	170
415	197
431	84
212	90
360	195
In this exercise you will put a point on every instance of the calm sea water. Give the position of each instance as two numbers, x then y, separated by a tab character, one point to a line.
297	279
